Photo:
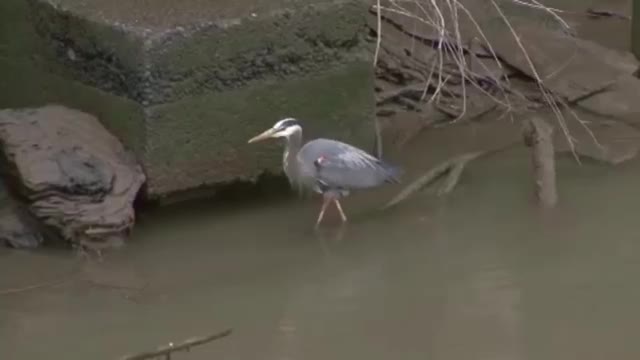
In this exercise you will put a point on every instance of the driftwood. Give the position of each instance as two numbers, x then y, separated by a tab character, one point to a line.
186	345
453	168
539	136
454	175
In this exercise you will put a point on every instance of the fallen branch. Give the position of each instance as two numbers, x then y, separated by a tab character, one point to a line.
186	345
452	168
434	174
454	176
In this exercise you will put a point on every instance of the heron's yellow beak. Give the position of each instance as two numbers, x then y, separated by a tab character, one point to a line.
265	135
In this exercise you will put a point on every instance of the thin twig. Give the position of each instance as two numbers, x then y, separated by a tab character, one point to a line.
449	67
59	281
44	284
379	35
186	345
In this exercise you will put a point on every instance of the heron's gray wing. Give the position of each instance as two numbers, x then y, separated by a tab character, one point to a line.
335	164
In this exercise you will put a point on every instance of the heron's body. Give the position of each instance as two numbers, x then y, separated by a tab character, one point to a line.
328	167
340	167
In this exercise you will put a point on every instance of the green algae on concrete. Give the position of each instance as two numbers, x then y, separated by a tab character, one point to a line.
205	137
277	48
182	83
151	63
24	85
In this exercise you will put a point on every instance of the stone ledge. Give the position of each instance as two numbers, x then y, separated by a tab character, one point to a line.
151	61
185	93
205	137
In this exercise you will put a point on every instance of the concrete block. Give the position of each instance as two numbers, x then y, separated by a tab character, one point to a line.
185	83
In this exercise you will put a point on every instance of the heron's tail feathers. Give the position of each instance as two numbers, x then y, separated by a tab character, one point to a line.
394	173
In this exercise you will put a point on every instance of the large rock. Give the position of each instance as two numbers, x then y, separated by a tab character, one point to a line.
75	177
185	83
18	228
570	67
597	137
619	100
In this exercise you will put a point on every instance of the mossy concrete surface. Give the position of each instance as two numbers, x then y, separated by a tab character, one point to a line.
206	136
185	83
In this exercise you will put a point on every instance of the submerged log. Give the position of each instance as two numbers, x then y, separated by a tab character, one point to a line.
538	135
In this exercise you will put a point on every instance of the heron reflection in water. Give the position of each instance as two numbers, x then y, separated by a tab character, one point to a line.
328	167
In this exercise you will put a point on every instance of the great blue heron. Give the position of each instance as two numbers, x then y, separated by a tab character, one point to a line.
328	167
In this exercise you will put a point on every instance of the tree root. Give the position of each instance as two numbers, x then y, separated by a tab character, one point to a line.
186	345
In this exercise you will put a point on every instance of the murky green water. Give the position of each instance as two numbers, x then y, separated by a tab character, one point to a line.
481	275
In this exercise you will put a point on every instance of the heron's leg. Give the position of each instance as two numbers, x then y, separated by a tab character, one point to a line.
325	203
342	215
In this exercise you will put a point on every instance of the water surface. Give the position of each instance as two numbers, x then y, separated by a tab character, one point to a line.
481	275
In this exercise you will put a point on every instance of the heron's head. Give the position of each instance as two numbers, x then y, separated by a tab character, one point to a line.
283	128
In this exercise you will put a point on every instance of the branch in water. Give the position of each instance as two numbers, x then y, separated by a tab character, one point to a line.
455	164
186	345
451	168
538	136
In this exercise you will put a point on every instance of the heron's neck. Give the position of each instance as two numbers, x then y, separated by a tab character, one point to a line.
292	146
